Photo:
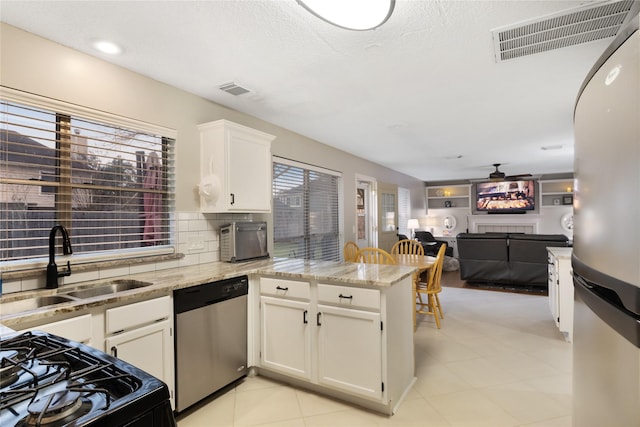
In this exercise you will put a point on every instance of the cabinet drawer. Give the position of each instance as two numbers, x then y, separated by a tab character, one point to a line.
137	314
348	296
76	329
284	288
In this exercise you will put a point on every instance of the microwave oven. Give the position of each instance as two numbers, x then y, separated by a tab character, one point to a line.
242	241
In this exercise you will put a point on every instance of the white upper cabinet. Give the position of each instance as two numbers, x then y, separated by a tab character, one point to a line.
235	168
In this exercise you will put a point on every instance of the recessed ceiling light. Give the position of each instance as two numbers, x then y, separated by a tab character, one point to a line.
351	14
107	47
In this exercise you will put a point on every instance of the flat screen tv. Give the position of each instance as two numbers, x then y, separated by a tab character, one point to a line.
506	196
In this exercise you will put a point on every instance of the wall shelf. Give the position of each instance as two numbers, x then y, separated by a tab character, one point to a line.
557	192
449	197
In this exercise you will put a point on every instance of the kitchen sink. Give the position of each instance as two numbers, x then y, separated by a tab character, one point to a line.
33	303
108	288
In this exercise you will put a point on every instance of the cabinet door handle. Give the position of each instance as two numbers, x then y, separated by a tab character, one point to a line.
114	351
345	296
304	317
318	319
280	288
233	198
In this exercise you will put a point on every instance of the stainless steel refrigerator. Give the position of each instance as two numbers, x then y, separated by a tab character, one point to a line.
606	254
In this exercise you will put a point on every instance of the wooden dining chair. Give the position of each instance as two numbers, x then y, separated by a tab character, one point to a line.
407	246
411	248
371	255
431	288
350	251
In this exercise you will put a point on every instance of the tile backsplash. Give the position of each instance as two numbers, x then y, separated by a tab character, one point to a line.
197	237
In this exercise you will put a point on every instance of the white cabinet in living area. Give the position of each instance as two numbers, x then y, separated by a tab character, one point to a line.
235	166
141	334
350	340
285	338
561	290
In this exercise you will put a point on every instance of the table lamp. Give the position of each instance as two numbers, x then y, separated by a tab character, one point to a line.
412	225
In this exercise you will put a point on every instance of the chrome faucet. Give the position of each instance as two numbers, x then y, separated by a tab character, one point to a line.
52	268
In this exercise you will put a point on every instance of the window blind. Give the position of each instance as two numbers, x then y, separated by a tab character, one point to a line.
111	186
404	211
306	211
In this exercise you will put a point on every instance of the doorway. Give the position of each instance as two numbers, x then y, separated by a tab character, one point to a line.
366	212
388	215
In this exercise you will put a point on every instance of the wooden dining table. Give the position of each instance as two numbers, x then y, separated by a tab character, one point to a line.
421	263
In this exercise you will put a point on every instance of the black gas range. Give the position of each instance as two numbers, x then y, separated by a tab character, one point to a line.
46	380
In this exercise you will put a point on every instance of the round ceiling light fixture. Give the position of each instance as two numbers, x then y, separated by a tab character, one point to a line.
357	15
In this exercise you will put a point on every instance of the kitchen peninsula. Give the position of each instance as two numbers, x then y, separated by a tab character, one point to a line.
355	321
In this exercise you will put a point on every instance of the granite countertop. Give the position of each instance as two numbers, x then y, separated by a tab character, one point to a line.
163	282
560	252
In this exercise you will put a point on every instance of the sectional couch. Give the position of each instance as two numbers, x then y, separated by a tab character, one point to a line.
506	258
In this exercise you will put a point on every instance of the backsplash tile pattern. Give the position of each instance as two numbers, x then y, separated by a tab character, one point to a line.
197	238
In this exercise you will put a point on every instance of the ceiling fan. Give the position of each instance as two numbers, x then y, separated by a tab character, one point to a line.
498	175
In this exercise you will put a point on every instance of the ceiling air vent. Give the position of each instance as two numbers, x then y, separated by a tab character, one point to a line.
234	89
567	28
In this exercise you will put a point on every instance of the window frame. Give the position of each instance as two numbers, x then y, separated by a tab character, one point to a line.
109	119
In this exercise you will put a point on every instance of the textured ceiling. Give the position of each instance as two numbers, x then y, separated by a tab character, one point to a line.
422	94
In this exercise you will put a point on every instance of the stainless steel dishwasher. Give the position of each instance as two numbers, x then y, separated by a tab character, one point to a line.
210	338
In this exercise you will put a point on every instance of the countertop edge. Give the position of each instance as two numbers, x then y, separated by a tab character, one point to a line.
166	281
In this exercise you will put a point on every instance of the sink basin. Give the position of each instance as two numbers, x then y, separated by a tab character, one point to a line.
108	288
33	303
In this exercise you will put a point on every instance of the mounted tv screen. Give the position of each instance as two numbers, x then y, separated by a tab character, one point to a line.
506	196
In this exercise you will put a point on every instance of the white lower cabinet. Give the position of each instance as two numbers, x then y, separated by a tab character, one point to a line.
137	346
334	339
561	290
141	334
285	336
349	350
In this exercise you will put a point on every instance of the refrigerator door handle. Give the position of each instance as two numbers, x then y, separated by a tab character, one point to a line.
606	304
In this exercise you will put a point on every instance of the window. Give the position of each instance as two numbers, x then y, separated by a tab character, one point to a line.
110	185
388	212
306	213
46	176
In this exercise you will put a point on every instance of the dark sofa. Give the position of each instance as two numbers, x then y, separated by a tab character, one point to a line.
431	245
507	258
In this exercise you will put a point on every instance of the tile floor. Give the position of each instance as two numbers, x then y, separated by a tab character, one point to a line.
497	361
